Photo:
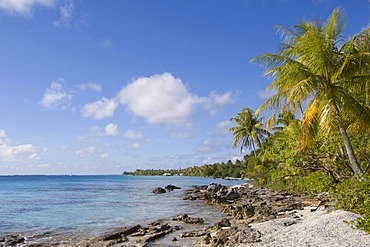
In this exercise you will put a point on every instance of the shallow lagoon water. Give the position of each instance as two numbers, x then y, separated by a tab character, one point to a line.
93	204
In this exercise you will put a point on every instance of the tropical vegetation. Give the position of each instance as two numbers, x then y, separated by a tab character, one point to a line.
323	79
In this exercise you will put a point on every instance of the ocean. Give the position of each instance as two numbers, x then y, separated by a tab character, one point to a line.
94	204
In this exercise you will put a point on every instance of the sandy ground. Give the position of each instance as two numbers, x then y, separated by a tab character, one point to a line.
319	228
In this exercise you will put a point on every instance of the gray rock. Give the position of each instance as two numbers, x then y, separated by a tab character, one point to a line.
171	187
159	190
193	234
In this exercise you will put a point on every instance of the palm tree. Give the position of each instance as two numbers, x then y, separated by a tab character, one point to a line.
316	69
249	131
283	120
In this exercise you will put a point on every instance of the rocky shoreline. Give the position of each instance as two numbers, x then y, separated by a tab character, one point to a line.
244	206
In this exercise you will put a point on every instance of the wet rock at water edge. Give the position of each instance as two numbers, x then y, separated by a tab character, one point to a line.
12	240
159	190
188	220
171	187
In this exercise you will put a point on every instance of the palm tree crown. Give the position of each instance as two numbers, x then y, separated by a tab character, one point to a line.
330	77
249	131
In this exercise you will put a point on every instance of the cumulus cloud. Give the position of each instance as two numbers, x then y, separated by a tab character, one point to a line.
66	11
9	152
111	129
103	108
163	98
131	134
23	7
90	85
215	101
159	99
56	96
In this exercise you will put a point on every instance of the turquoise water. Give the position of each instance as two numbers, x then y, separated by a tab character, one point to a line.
93	204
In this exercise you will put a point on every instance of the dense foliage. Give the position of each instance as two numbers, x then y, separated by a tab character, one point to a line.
316	69
327	80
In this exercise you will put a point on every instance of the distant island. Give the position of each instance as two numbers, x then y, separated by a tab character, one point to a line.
216	170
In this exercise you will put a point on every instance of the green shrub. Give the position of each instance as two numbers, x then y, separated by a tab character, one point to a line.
354	195
308	183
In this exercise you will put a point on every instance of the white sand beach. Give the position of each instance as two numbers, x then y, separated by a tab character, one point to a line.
319	228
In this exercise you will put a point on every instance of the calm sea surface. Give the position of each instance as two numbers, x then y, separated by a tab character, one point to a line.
93	204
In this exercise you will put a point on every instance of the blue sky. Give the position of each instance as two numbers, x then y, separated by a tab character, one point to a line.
100	87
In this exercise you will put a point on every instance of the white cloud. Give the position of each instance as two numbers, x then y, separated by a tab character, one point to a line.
34	156
131	134
23	7
85	152
106	43
90	85
159	99
66	11
2	133
111	129
162	98
215	101
103	108
56	96
9	152
265	94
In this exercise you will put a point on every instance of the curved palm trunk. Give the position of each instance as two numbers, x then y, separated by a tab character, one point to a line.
254	149
351	154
